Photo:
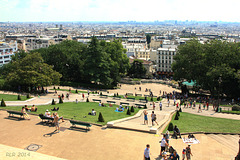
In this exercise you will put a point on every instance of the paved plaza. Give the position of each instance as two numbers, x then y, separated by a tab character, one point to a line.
103	142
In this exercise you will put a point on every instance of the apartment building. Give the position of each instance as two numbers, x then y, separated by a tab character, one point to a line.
36	43
6	52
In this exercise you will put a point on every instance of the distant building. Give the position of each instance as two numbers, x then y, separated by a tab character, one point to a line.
134	45
147	65
142	54
6	52
36	43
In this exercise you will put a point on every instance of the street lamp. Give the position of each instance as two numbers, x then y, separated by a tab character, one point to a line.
219	82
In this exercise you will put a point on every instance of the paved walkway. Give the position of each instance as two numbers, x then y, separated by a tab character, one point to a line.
99	143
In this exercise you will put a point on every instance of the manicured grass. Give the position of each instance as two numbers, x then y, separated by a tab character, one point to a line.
8	97
195	123
72	91
139	97
78	111
136	79
225	111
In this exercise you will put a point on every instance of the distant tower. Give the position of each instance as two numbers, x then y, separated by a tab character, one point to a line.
61	27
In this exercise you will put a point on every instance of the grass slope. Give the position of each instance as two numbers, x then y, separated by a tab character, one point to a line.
8	97
78	111
195	123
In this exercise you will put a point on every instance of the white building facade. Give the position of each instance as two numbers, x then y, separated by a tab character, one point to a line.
6	52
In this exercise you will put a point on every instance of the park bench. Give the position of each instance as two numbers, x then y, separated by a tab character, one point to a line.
97	100
131	99
140	105
117	98
74	123
139	95
45	118
143	100
104	96
124	103
111	102
129	94
15	112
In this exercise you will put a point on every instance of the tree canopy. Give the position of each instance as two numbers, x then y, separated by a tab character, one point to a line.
137	70
206	63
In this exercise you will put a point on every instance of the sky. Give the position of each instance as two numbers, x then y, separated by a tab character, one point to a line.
118	10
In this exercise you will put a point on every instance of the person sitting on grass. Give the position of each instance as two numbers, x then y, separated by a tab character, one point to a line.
25	115
93	113
100	104
27	109
110	105
34	109
176	131
103	105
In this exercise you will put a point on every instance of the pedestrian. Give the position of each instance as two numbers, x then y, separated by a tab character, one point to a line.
153	105
184	154
160	106
154	118
83	95
177	105
168	102
167	139
145	117
174	156
62	96
199	108
55	121
146	155
207	105
174	102
188	152
163	145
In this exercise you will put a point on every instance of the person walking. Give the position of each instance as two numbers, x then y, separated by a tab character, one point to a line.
160	106
145	117
153	105
168	102
154	118
146	155
163	145
55	121
199	108
188	152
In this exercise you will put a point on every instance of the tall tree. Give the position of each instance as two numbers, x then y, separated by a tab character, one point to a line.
137	70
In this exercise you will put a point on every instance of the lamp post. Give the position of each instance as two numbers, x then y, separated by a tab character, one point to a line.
219	82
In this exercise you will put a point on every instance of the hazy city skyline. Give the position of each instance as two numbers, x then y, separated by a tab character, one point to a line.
113	10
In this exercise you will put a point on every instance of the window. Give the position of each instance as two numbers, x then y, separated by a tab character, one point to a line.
162	61
5	57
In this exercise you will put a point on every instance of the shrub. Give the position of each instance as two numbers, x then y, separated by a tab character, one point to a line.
58	87
117	94
236	108
180	110
178	113
145	106
53	102
76	91
54	87
60	100
128	112
19	97
158	98
100	93
114	95
28	96
152	99
100	118
3	104
176	117
87	100
170	127
132	109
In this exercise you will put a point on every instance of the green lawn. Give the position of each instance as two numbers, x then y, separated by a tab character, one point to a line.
8	97
195	123
78	111
226	111
139	97
72	91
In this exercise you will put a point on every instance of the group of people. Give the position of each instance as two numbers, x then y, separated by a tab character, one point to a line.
56	119
153	118
164	143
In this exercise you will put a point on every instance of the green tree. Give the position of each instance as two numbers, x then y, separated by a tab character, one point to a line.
137	70
32	71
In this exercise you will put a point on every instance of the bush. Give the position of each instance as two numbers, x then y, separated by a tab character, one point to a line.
176	117
152	99
170	127
236	108
76	91
100	93
158	98
58	87
19	97
87	100
54	87
180	110
132	109
3	104
100	118
28	96
114	95
128	112
53	102
60	100
117	94
145	106
178	113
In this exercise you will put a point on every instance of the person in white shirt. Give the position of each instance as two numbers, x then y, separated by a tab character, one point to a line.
47	114
163	144
146	155
160	106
